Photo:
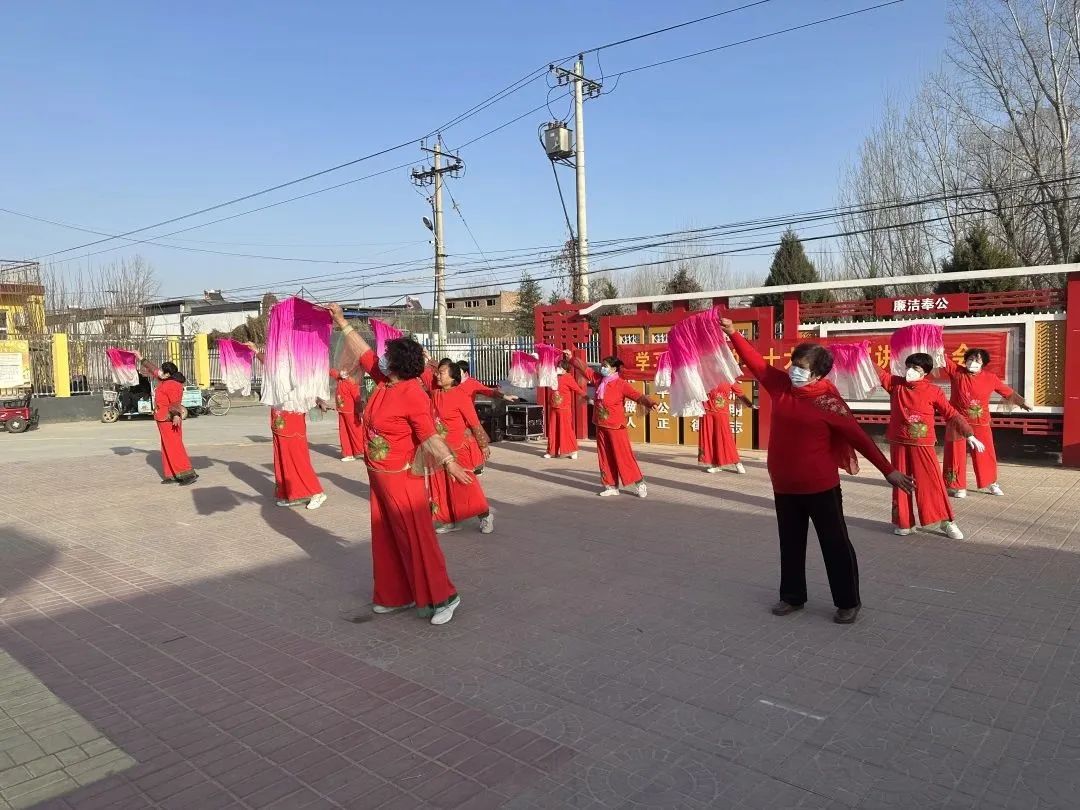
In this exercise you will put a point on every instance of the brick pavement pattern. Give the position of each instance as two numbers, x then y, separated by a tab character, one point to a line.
608	652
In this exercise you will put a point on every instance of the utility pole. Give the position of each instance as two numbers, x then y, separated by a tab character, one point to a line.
583	88
433	175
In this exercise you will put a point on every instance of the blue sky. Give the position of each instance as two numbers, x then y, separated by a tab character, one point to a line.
122	113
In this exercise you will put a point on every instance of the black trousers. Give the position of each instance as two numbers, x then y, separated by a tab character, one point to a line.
826	510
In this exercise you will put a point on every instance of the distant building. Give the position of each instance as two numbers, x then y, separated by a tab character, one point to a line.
485	305
179	317
22	300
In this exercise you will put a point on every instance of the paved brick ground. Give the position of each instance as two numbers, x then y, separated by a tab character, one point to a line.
608	653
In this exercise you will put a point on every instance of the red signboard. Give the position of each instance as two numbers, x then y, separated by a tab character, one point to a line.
639	359
956	343
920	305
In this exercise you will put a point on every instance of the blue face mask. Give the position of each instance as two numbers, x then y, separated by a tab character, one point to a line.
384	365
606	371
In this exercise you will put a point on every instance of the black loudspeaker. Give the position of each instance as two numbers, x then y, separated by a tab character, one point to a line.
492	419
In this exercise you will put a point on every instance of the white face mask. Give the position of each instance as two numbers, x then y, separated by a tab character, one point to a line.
384	365
799	376
974	366
914	374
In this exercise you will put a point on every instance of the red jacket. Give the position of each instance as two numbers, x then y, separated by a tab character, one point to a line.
562	398
914	407
609	411
971	392
806	424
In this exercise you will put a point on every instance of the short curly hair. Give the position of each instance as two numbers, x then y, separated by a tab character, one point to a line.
982	354
405	358
819	359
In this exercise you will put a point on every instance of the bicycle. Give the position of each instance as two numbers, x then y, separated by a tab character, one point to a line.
216	403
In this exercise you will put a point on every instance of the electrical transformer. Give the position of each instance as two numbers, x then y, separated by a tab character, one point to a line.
558	141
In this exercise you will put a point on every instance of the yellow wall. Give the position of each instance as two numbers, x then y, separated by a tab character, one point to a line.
33	309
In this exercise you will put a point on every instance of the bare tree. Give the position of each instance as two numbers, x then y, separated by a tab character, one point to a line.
987	143
109	300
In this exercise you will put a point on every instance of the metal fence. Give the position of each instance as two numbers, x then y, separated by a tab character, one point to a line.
91	371
216	380
488	359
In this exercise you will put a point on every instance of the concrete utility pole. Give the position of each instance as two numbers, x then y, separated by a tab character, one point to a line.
434	175
583	88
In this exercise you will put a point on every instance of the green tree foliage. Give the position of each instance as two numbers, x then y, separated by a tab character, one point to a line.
977	251
791	265
530	296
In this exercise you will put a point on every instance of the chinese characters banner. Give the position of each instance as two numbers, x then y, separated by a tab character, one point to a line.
639	361
935	305
956	343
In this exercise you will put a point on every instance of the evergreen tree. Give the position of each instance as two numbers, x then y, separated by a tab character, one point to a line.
530	296
791	265
602	288
681	281
977	251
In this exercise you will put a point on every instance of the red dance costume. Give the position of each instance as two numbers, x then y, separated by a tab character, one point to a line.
812	431
613	450
716	444
350	408
407	563
971	396
474	388
175	464
912	436
562	441
293	474
455	416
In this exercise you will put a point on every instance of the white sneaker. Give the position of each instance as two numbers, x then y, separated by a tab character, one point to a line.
740	469
712	470
348	458
994	489
445	614
487	524
317	501
957	493
952	531
384	609
903	532
573	456
642	490
607	492
447	528
547	455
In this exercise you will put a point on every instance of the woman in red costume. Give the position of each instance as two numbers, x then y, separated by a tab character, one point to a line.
169	416
295	482
915	401
459	426
399	435
350	409
813	435
613	450
972	386
716	444
562	441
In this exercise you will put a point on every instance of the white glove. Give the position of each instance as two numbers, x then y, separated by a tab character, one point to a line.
975	444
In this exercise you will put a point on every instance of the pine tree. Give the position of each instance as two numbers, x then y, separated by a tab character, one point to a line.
977	251
682	281
530	296
602	289
791	265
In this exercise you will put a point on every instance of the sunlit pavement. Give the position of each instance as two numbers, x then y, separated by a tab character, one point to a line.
190	648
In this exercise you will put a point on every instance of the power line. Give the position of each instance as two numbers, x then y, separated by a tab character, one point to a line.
758	38
676	26
514	87
634	244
